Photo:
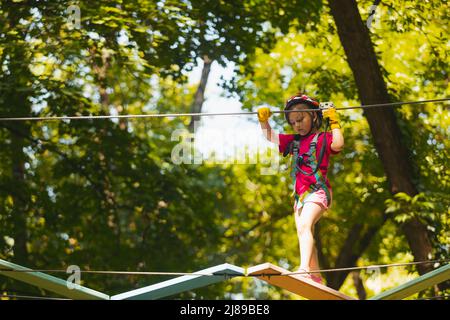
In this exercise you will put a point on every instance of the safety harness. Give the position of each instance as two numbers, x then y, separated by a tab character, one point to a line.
309	159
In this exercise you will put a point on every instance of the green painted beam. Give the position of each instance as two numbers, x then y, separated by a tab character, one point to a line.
409	288
48	282
182	284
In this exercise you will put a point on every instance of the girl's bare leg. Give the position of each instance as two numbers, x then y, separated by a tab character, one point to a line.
305	221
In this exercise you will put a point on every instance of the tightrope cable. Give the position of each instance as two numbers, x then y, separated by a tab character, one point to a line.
160	273
164	115
29	297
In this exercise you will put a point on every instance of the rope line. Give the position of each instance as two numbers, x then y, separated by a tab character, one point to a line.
376	266
29	297
229	274
443	297
162	115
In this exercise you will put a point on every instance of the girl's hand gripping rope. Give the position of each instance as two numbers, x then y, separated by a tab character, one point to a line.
329	112
264	114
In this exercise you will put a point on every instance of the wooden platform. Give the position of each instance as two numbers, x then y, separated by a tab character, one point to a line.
295	283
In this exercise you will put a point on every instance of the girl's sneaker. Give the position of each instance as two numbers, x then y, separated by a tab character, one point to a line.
317	278
304	273
314	277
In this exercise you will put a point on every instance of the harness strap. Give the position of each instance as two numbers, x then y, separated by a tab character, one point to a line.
295	146
313	163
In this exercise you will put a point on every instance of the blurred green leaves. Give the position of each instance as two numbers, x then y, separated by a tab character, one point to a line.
106	194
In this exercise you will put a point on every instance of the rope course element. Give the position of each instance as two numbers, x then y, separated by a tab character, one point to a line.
163	115
157	273
29	297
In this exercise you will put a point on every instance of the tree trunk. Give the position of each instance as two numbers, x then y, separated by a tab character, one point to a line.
200	93
358	239
16	97
109	197
20	198
362	294
394	156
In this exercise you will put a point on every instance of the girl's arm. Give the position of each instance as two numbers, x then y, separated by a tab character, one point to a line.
338	140
269	133
263	117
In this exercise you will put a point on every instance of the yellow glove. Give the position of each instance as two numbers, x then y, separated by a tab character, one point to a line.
264	114
331	114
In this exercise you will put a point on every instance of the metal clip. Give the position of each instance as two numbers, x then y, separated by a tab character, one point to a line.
326	105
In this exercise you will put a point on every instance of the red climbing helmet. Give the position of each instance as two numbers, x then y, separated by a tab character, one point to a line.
303	99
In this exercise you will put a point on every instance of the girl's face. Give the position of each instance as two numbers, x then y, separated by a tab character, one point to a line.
301	122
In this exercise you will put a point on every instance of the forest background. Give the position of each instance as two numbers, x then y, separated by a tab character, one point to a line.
108	195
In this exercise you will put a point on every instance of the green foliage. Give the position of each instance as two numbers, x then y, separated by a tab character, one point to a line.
106	194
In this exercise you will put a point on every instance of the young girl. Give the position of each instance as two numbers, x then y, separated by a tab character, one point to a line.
311	186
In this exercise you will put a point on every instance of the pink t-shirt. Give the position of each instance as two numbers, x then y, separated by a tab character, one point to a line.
303	182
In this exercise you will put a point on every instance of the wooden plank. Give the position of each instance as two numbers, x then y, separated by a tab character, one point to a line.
182	284
295	283
48	282
409	288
